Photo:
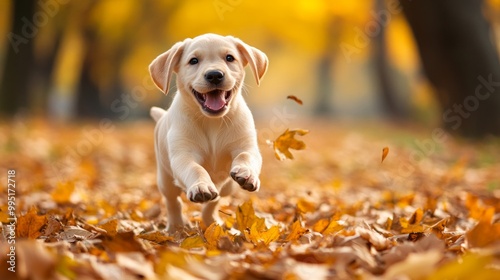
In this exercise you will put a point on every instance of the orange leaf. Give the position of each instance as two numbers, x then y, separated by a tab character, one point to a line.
385	152
286	141
483	234
156	236
29	225
295	98
63	191
110	227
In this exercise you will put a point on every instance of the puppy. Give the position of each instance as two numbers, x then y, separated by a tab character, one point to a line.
206	141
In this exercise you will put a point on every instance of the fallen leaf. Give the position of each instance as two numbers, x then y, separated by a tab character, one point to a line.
30	224
471	266
385	152
296	231
483	234
415	266
192	242
110	227
73	234
295	98
63	191
156	236
286	141
34	261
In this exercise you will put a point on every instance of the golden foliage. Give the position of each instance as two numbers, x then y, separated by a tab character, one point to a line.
333	213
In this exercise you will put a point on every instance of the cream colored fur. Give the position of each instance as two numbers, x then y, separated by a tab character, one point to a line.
198	150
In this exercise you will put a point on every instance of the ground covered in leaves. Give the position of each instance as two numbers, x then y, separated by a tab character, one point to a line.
87	207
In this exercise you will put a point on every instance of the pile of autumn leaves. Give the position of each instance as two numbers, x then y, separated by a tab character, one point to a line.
103	224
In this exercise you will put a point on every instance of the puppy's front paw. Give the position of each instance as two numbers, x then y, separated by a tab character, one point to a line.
202	192
246	178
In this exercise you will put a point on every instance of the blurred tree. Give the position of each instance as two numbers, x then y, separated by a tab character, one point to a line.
18	69
391	107
460	59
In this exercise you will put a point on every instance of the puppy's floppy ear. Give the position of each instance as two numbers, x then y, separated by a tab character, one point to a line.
258	60
164	65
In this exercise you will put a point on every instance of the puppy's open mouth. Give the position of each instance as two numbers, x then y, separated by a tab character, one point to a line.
213	102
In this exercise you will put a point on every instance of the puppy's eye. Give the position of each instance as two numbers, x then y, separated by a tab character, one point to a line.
229	58
193	61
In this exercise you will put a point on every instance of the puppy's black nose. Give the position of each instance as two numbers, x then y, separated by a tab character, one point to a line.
214	77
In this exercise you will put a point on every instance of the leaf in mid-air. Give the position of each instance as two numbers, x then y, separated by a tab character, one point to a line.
295	98
385	152
287	141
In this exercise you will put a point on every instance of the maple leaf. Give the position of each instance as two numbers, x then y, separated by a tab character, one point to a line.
286	141
30	224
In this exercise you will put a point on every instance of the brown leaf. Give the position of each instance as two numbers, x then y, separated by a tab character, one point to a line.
30	224
295	98
286	141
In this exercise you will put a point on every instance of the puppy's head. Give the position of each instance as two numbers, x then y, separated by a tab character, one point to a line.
210	69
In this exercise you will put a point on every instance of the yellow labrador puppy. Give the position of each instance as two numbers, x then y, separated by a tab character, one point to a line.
206	141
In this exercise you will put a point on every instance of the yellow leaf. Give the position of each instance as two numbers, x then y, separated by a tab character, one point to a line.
416	217
265	236
469	267
286	141
191	242
305	206
296	232
212	234
245	217
332	228
63	191
4	214
385	152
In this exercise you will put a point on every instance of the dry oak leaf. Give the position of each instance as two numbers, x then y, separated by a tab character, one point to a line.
286	141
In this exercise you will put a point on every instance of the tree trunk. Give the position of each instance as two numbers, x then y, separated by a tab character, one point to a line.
19	64
459	57
387	93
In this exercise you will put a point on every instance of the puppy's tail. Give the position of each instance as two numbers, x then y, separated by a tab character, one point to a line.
156	113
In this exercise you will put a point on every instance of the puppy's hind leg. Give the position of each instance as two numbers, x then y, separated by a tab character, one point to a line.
175	219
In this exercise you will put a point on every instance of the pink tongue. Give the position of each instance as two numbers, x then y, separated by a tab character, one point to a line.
215	101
